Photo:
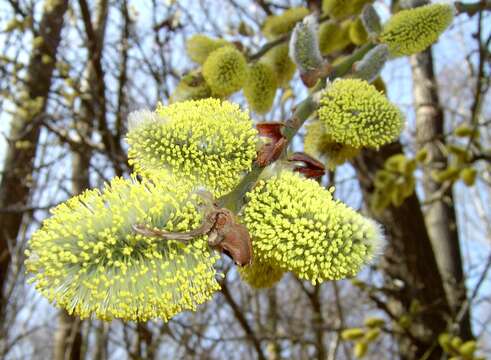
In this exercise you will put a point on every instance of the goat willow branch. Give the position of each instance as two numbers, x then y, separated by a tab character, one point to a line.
234	200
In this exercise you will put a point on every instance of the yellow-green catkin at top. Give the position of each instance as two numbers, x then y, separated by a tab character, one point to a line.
260	275
191	87
318	144
260	87
87	259
277	25
355	113
333	36
278	57
297	226
340	9
225	71
199	46
412	31
209	142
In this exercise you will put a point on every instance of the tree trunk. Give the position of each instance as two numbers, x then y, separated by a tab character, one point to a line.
273	349
69	326
439	214
68	338
16	182
409	262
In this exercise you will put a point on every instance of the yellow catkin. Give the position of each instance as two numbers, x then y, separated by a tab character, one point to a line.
282	64
199	46
333	37
208	142
260	87
355	113
297	226
411	31
277	25
191	87
225	71
357	33
318	144
87	259
340	9
260	275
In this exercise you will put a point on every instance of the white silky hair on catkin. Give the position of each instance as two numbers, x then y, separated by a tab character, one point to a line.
140	117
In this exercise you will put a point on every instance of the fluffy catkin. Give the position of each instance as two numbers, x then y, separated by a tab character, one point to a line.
318	144
304	46
87	259
411	31
191	87
333	36
225	71
355	113
260	87
282	64
209	142
340	9
199	46
260	275
277	25
370	67
297	226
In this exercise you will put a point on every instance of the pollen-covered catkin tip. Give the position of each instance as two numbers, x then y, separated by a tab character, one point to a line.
87	259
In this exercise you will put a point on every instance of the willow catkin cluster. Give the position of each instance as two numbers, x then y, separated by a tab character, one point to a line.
277	25
355	113
209	142
340	9
278	57
199	47
225	71
296	225
411	31
319	144
88	260
260	275
260	87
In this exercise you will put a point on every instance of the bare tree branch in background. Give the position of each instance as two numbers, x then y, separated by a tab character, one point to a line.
17	176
